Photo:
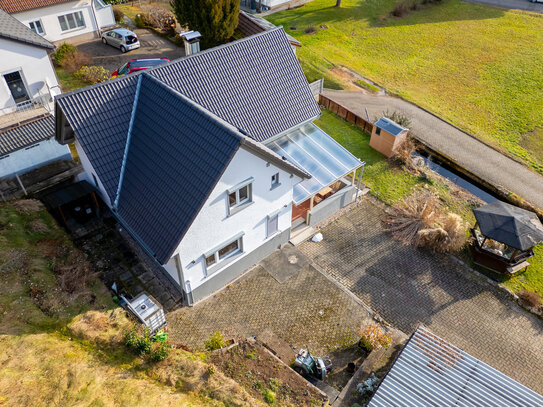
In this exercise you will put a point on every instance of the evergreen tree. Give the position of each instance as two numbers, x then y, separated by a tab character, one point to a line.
216	20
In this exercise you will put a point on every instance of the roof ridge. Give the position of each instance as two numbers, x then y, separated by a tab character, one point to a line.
160	67
36	40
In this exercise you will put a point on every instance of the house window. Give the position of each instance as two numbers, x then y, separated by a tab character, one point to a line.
71	21
378	131
275	180
36	27
240	196
273	223
223	252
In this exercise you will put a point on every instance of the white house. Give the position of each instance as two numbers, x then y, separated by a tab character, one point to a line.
27	86
62	20
209	161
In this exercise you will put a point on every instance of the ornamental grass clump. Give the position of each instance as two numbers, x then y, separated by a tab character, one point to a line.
373	336
419	221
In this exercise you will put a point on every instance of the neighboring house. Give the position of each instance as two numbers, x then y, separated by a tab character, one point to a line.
30	145
62	20
432	372
27	86
275	5
250	24
203	159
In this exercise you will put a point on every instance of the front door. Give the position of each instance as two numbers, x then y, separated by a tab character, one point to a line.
17	87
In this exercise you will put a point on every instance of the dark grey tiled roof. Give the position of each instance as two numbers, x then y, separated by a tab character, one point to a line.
176	154
27	134
389	126
99	116
13	29
255	84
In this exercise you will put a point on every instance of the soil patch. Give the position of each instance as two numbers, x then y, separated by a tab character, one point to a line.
260	373
340	374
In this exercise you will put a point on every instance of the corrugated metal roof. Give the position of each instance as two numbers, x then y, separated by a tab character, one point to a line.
27	134
176	154
15	6
389	126
432	372
13	29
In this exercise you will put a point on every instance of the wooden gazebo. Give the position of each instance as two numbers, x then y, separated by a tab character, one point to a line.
504	237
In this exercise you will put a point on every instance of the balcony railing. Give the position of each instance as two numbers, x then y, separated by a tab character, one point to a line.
21	112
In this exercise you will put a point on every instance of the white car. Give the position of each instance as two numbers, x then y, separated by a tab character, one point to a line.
121	38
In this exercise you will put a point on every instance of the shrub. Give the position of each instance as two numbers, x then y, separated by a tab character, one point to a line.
142	21
310	30
92	74
269	396
374	337
418	221
530	298
61	52
37	226
401	9
398	117
404	153
113	2
73	61
275	384
27	205
118	14
160	352
159	18
216	341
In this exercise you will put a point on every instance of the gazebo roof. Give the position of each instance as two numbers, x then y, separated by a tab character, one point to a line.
509	224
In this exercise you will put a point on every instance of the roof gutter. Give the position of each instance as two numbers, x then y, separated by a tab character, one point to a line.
128	139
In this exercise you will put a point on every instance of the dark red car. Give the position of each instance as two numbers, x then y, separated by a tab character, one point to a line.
135	65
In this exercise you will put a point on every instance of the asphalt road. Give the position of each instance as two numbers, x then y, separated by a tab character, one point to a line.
465	150
512	4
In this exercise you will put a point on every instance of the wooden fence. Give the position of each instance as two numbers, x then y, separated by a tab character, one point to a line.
346	114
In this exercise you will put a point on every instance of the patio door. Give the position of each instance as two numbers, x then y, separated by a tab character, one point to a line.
17	87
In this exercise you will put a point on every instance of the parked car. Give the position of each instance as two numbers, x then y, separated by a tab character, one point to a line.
121	38
135	65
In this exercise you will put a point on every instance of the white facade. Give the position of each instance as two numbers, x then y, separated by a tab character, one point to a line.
36	71
94	15
33	156
89	174
214	226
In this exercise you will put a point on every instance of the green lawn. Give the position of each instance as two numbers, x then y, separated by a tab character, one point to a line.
392	184
479	67
68	81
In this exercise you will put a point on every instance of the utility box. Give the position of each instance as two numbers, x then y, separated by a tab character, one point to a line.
387	136
149	312
191	39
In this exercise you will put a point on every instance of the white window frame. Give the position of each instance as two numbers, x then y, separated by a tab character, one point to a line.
275	182
273	215
77	27
35	29
240	204
225	259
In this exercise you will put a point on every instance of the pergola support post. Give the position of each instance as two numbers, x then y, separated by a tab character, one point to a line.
310	208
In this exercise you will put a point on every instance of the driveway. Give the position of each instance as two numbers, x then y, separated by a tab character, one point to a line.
473	155
512	4
152	46
409	286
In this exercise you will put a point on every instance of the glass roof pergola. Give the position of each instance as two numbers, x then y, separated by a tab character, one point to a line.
311	149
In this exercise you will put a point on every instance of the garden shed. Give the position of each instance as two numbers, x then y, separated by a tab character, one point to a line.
387	136
504	237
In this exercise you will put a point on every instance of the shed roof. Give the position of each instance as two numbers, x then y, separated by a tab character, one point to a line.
26	134
389	126
255	84
67	194
432	372
15	6
509	224
13	29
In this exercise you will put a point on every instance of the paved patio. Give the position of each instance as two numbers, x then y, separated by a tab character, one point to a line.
283	297
408	286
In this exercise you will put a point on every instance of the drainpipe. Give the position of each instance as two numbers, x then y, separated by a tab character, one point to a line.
188	290
95	19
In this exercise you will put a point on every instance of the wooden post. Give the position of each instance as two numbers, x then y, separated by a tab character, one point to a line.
514	255
310	208
21	183
354	177
96	202
62	215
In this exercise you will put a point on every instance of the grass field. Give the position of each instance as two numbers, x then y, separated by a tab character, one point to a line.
392	184
479	67
65	347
